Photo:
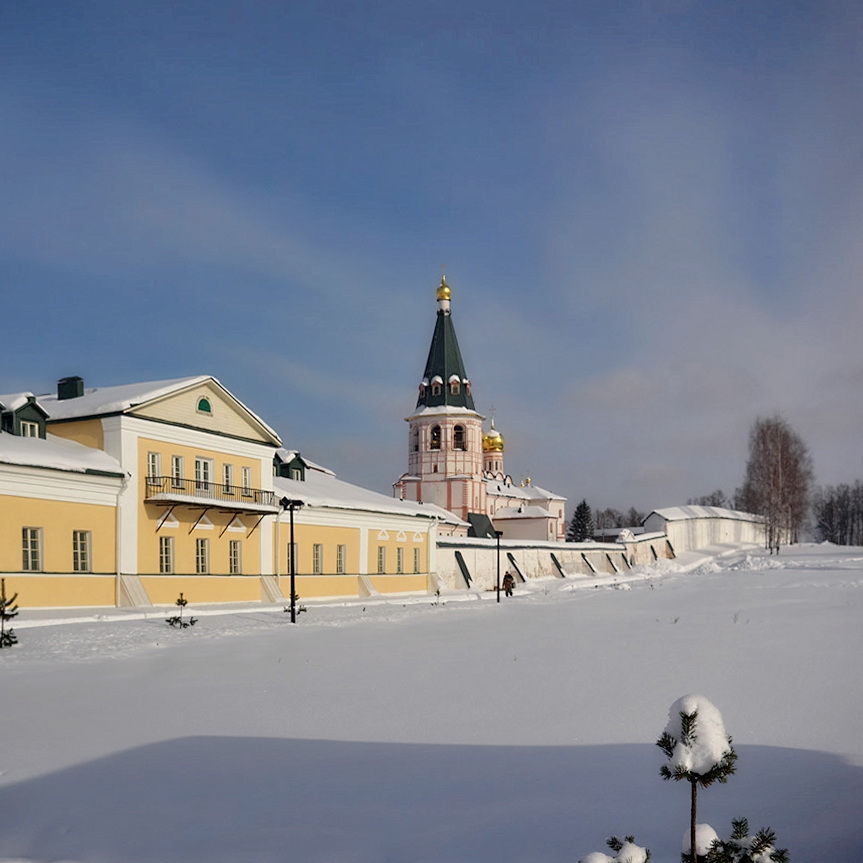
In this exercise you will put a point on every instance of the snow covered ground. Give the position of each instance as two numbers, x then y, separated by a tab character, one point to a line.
407	731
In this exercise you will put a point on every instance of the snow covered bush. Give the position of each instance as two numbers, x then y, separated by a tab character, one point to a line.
698	749
627	852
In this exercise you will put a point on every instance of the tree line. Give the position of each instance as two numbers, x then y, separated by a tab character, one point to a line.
777	485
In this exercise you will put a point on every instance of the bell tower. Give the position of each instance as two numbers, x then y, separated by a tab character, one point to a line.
445	439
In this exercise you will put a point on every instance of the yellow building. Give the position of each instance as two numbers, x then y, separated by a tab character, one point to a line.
131	494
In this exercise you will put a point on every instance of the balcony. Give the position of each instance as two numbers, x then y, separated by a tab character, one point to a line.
170	491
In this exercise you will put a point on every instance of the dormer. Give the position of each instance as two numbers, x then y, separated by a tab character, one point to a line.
291	467
23	416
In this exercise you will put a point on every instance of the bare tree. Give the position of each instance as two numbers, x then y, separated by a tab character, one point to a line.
778	477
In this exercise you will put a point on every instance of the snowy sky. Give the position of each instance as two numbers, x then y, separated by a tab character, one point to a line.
650	215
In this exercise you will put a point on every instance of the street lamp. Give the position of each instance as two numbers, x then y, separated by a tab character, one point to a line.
291	506
498	534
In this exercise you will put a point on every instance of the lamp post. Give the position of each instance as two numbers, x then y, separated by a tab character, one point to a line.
497	535
291	506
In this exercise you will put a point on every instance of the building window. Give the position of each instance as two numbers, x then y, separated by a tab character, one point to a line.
317	558
177	471
166	555
458	438
235	557
435	438
382	559
204	406
203	473
416	560
400	560
202	556
154	464
415	439
228	478
31	542
28	429
247	481
81	551
454	386
341	553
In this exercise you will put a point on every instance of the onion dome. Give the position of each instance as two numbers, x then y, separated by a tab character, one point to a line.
443	291
493	441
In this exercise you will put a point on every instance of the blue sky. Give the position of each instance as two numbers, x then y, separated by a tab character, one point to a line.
650	215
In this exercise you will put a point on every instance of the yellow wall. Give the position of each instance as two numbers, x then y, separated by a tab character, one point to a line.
164	590
307	535
57	520
399	583
149	515
391	545
47	591
86	432
311	586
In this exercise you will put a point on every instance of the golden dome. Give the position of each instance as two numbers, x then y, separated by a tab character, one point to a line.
443	291
493	441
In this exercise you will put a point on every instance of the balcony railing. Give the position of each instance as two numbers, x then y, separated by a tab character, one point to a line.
174	490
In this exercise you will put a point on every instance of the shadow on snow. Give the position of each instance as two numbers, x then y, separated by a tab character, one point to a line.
226	799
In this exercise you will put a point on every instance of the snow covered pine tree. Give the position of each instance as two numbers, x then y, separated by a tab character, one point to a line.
581	525
698	750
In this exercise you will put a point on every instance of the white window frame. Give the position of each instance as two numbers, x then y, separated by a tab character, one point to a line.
400	560
235	557
31	549
417	560
382	559
82	543
166	555
246	474
203	473
318	558
228	478
202	556
28	428
177	471
154	464
341	555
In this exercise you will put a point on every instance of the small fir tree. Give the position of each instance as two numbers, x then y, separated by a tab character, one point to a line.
177	619
698	750
8	610
581	525
743	848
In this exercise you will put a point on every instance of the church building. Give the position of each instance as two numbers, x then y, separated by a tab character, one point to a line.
454	464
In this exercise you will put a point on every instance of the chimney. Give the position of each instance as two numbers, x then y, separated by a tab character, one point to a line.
70	388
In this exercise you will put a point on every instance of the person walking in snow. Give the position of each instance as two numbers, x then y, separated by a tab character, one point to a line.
508	583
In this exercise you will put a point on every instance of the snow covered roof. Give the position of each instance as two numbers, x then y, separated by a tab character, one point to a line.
102	401
680	513
13	401
442	410
499	488
56	453
323	489
288	455
528	511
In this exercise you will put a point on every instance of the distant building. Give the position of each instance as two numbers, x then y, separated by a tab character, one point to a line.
454	464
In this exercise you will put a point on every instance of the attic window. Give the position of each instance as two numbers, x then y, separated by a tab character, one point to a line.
436	384
204	406
454	385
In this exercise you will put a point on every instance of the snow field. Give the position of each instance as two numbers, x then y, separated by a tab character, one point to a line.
461	731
